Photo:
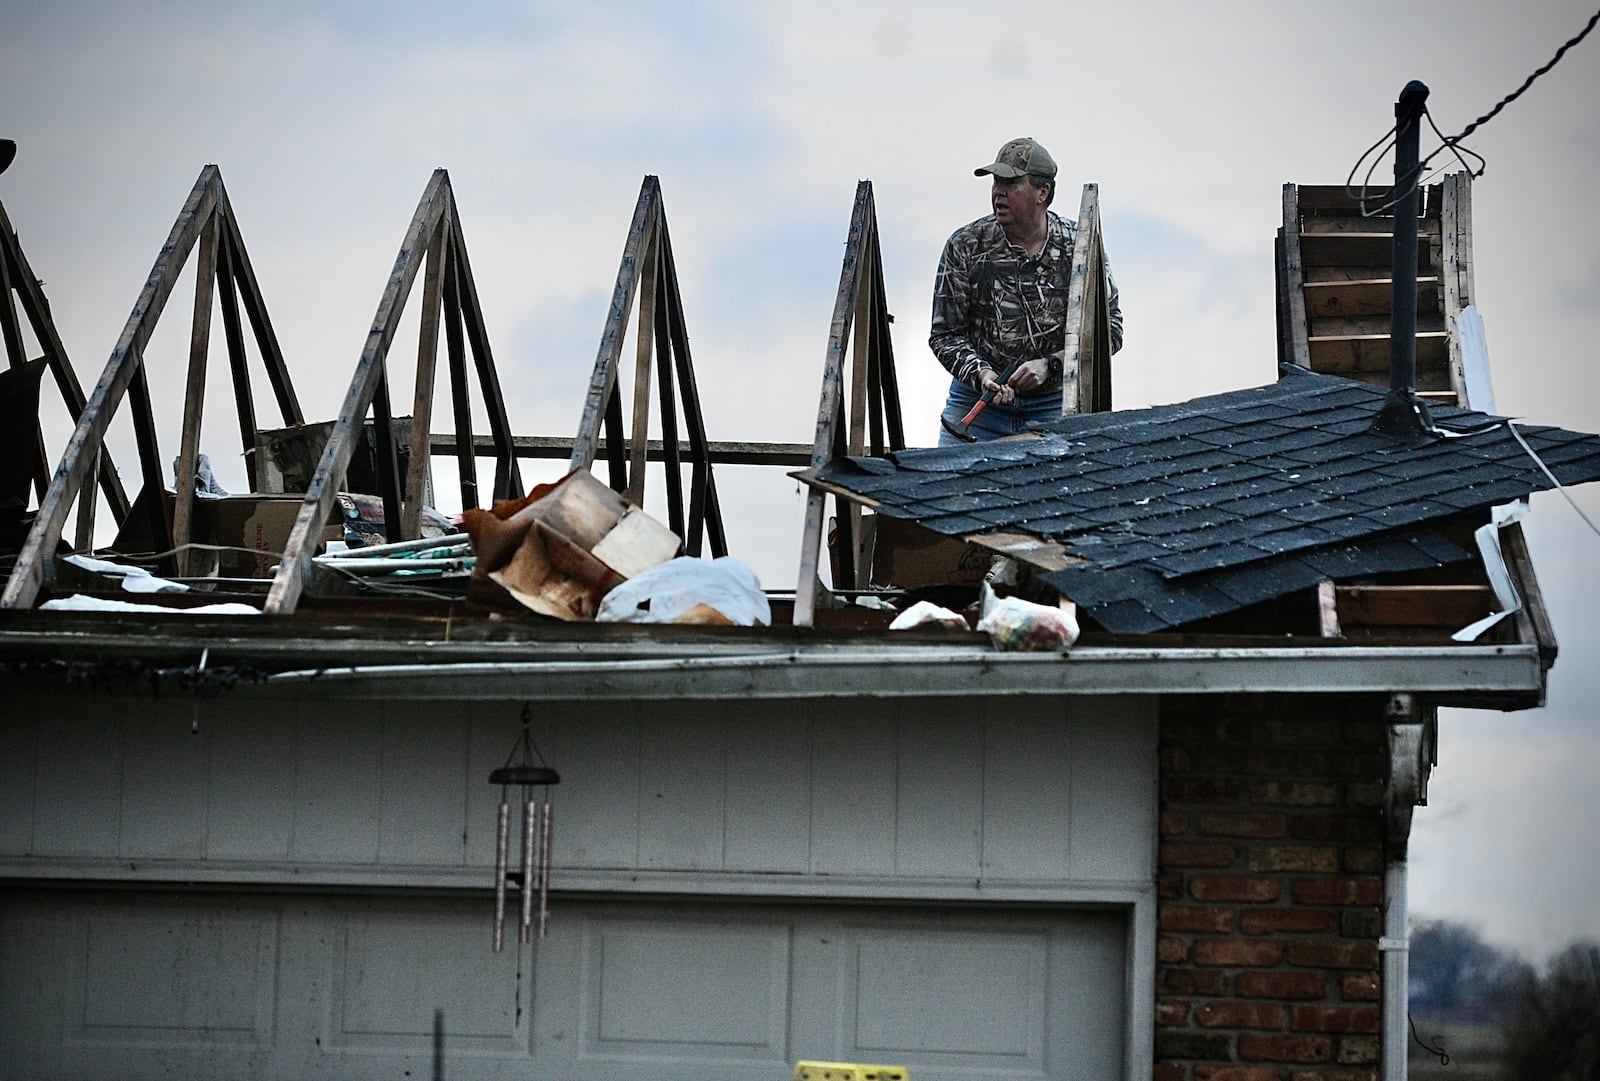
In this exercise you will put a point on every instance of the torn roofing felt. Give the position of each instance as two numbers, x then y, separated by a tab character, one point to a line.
1167	515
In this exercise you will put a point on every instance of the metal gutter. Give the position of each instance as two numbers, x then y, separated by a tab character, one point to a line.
885	672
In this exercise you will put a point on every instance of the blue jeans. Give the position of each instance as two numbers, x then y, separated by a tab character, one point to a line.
995	420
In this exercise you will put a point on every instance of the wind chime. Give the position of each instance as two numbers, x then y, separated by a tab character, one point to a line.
526	768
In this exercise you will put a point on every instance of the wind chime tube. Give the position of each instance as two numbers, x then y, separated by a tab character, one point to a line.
544	868
529	810
502	840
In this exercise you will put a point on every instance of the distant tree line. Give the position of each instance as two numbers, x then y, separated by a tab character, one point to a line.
1549	1015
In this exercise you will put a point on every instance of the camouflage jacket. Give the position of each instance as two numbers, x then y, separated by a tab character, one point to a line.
993	304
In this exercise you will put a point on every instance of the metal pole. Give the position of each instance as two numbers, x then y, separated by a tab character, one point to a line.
1403	414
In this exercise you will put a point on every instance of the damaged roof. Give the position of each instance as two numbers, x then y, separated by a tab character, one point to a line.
1159	517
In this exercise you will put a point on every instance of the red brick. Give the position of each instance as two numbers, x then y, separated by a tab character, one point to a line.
1338	764
1191	981
1169	885
1314	954
1297	794
1334	1075
1294	858
1170	1071
1197	919
1234	888
1199	790
1264	825
1281	985
1367	794
1213	854
1172	1011
1363	861
1360	988
1239	760
1174	823
1176	760
1238	951
1235	1073
1365	890
1341	1019
1254	1048
1338	827
1298	732
1266	921
1171	951
1358	1051
1267	1015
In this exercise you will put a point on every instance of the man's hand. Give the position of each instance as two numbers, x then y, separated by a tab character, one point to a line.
1029	376
990	381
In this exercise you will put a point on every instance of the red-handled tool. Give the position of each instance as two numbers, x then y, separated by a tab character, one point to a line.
963	430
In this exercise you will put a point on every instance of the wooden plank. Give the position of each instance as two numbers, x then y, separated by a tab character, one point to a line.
427	366
556	447
255	307
81	455
1343	354
860	566
705	507
1077	376
1291	281
808	582
462	443
1353	250
644	344
1449	607
1533	621
1331	226
294	573
10	325
604	376
30	293
667	448
507	478
1339	326
238	363
1451	275
1328	610
1328	197
194	395
1365	296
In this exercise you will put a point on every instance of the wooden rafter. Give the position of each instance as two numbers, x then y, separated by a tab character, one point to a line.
1086	362
207	218
434	246
649	271
20	287
873	409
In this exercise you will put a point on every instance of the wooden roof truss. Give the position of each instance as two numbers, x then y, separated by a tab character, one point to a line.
223	275
863	419
662	347
434	246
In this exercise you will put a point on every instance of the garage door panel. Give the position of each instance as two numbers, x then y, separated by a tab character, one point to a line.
173	976
652	989
971	999
396	977
137	984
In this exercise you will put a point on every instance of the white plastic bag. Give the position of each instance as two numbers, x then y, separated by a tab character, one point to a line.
928	614
681	590
1015	624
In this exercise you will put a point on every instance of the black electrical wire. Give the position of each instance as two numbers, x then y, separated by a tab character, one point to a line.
1450	142
1515	94
1438	1052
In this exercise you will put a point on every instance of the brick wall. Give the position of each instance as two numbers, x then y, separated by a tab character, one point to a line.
1271	887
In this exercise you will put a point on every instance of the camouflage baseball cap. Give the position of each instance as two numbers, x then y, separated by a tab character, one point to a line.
1020	157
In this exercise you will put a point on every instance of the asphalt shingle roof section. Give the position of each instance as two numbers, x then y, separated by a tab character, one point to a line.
1185	511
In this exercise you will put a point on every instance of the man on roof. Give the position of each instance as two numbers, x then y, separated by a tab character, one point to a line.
1000	300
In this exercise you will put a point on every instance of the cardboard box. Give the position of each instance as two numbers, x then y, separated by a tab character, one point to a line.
911	556
260	523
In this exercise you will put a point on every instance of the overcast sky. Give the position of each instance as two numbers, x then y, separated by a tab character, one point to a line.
328	119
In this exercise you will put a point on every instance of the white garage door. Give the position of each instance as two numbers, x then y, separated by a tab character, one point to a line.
126	985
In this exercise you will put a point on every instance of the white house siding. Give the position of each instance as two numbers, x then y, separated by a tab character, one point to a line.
299	889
